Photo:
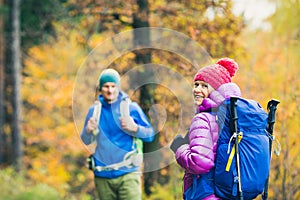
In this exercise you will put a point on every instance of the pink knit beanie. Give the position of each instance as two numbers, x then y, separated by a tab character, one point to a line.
219	73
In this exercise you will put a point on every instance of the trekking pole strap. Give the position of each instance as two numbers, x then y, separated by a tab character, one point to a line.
232	153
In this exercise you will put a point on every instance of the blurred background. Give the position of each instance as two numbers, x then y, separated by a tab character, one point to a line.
43	45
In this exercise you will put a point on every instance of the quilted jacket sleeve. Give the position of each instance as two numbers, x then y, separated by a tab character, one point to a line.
198	157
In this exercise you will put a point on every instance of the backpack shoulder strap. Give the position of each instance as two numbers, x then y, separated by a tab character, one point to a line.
96	115
97	110
124	107
124	110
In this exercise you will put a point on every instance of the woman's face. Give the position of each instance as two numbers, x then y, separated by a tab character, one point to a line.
200	91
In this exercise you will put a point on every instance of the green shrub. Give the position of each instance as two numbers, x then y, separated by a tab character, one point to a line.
14	186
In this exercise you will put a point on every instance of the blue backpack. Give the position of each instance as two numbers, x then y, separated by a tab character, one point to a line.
253	147
254	129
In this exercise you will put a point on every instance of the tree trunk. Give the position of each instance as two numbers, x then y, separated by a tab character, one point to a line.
2	93
17	144
143	56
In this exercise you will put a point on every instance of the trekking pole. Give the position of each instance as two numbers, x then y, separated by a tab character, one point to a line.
234	118
271	107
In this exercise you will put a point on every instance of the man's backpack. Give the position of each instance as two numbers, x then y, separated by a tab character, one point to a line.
245	127
133	158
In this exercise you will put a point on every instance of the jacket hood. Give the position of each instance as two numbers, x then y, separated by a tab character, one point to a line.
216	97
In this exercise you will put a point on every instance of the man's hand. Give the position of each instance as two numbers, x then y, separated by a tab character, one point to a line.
91	125
128	124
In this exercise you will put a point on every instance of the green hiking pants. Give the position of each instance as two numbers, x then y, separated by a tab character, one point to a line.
126	187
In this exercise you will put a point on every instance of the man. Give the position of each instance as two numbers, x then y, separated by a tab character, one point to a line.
117	158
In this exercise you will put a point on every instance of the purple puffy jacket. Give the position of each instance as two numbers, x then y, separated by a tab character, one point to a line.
198	157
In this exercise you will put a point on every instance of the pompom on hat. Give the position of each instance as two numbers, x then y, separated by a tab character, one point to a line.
109	75
219	73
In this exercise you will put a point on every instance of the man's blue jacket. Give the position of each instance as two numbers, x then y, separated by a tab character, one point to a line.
112	142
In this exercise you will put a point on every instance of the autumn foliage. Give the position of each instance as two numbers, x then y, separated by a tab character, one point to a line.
54	155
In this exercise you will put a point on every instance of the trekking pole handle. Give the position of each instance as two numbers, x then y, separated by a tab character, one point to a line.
272	107
234	117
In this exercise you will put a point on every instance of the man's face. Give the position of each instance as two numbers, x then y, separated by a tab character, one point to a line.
110	91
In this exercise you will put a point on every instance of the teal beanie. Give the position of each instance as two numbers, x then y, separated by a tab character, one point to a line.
109	75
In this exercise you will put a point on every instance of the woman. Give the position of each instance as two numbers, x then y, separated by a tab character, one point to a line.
212	85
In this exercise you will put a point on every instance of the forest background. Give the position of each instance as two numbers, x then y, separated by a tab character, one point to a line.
44	44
